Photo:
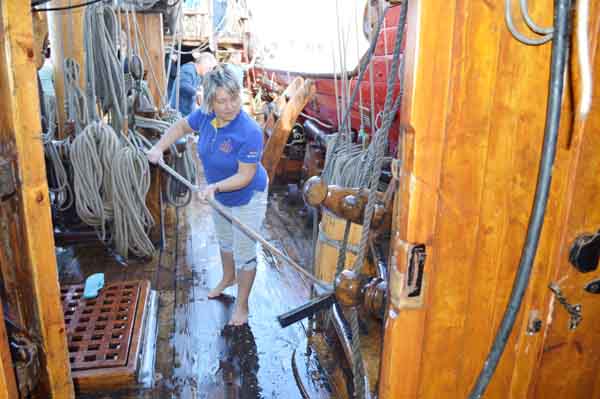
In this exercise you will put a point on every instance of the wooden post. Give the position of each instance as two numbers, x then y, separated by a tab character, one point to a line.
20	130
277	140
8	384
66	41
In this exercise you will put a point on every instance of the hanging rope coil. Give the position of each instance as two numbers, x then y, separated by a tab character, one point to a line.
177	194
104	72
63	194
131	183
92	154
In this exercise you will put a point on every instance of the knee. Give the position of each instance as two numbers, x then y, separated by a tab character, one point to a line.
245	264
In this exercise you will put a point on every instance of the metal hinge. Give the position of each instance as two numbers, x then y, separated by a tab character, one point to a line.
8	182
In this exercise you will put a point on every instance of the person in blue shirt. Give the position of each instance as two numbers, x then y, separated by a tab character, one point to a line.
230	146
190	80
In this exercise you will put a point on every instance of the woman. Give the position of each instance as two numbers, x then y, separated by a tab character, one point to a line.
230	146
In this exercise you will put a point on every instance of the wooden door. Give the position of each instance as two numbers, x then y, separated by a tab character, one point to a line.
474	109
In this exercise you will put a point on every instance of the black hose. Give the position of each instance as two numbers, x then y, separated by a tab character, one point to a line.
560	47
74	6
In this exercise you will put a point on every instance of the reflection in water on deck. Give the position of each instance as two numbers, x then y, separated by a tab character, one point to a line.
195	348
242	360
205	347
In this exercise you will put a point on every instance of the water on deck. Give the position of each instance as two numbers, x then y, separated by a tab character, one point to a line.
196	356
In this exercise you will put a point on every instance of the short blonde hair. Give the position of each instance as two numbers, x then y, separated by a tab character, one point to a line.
221	77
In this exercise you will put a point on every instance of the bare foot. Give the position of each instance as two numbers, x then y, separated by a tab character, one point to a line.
239	316
218	290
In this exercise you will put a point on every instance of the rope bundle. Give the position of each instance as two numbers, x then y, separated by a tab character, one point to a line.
104	72
131	182
63	194
92	153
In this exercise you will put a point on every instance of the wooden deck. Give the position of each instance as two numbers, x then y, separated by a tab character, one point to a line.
192	356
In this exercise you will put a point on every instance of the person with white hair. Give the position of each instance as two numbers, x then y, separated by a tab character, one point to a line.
189	81
230	146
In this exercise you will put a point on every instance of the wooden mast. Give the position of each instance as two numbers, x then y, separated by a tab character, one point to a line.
474	110
66	41
32	233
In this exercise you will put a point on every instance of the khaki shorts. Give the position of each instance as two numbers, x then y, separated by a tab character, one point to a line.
232	239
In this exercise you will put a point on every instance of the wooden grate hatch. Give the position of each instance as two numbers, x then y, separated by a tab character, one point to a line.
100	330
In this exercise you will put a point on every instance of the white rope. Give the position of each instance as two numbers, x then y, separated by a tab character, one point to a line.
75	98
585	100
92	153
131	182
63	194
104	72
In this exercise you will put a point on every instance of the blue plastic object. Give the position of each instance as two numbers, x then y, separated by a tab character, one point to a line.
93	284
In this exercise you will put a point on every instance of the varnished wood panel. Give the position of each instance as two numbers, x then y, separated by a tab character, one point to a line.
35	263
478	124
429	25
66	41
580	346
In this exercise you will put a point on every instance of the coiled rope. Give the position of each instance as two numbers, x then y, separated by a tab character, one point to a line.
92	153
63	194
131	182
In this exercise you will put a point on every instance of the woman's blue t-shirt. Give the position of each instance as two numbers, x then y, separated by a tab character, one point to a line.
221	148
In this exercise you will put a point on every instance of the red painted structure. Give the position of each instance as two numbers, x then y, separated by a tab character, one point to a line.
323	106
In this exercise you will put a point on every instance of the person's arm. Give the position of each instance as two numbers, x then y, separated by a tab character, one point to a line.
174	133
186	86
241	179
248	158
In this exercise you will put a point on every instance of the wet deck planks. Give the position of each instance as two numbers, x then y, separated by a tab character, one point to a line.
190	345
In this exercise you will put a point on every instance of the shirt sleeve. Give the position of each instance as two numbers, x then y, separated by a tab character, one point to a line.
186	85
252	148
197	120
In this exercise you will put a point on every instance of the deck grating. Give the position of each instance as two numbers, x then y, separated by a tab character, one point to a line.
99	330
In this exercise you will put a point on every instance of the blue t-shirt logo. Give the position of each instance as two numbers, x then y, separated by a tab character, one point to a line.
226	146
221	149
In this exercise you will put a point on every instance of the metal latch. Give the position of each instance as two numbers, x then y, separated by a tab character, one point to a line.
25	351
8	184
573	310
407	278
416	266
